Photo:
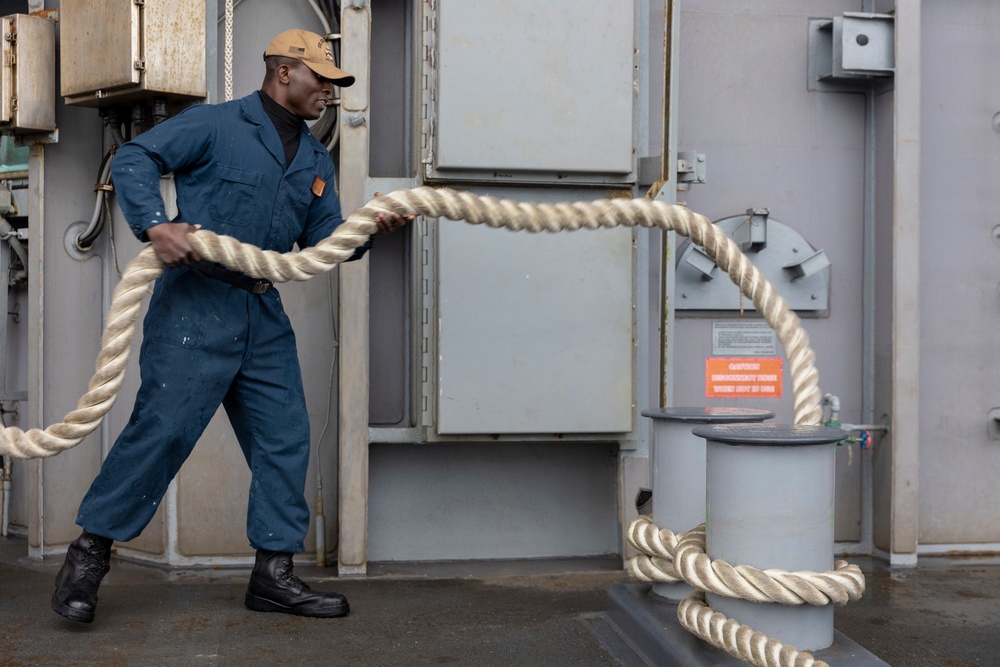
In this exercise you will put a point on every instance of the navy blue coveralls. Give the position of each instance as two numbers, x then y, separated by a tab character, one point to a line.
207	343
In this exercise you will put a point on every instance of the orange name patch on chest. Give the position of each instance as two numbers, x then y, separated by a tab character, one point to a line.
318	186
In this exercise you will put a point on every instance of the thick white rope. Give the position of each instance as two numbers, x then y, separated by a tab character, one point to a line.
339	246
429	203
737	639
227	50
668	557
686	560
655	563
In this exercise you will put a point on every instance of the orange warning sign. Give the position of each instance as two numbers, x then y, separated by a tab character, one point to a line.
741	377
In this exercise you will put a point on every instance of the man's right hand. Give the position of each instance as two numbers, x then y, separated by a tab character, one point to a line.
171	244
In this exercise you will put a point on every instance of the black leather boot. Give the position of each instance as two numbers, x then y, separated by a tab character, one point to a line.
273	587
88	559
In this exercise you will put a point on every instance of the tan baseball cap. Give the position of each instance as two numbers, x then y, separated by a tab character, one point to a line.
311	49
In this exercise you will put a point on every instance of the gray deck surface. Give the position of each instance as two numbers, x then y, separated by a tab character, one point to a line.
551	613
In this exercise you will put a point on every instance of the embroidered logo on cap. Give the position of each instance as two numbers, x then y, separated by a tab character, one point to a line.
326	51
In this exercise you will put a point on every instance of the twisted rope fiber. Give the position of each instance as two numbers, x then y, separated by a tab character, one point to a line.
656	562
359	226
428	202
687	560
737	639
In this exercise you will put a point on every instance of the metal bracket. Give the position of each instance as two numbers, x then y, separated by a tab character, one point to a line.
51	14
647	169
690	167
40	138
752	234
702	262
850	52
776	249
808	266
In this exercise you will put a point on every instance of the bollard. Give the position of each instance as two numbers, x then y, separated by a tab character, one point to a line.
678	461
770	506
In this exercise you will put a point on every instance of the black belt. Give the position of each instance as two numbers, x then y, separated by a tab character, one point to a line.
252	285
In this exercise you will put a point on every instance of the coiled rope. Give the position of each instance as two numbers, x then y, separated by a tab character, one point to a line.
682	558
437	203
668	557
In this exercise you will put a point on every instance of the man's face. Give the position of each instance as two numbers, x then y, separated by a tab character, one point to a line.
308	93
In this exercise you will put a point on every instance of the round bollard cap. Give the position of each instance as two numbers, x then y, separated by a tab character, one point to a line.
770	435
709	415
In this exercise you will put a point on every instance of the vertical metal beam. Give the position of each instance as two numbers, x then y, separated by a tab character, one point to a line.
668	169
906	289
868	318
353	312
4	316
36	343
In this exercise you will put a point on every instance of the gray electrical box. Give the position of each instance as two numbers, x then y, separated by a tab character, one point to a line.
508	99
28	78
534	331
117	51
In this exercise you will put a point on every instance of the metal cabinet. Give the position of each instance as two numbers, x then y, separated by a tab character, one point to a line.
123	50
27	79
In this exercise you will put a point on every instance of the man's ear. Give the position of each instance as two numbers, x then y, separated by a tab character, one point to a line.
283	71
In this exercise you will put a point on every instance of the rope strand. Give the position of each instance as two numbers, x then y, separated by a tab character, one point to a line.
355	231
674	556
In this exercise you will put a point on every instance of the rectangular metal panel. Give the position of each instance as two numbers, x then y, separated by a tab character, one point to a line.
534	330
958	274
471	500
120	51
517	100
173	47
32	91
99	45
27	79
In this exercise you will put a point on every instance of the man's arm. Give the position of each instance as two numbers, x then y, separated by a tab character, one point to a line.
179	142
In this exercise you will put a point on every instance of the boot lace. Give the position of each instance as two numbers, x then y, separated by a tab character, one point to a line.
94	565
285	575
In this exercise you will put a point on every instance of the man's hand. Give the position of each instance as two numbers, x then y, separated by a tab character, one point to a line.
388	222
171	244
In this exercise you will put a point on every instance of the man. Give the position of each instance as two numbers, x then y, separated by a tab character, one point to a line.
251	169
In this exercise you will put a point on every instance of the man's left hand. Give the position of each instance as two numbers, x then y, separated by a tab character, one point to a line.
387	223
